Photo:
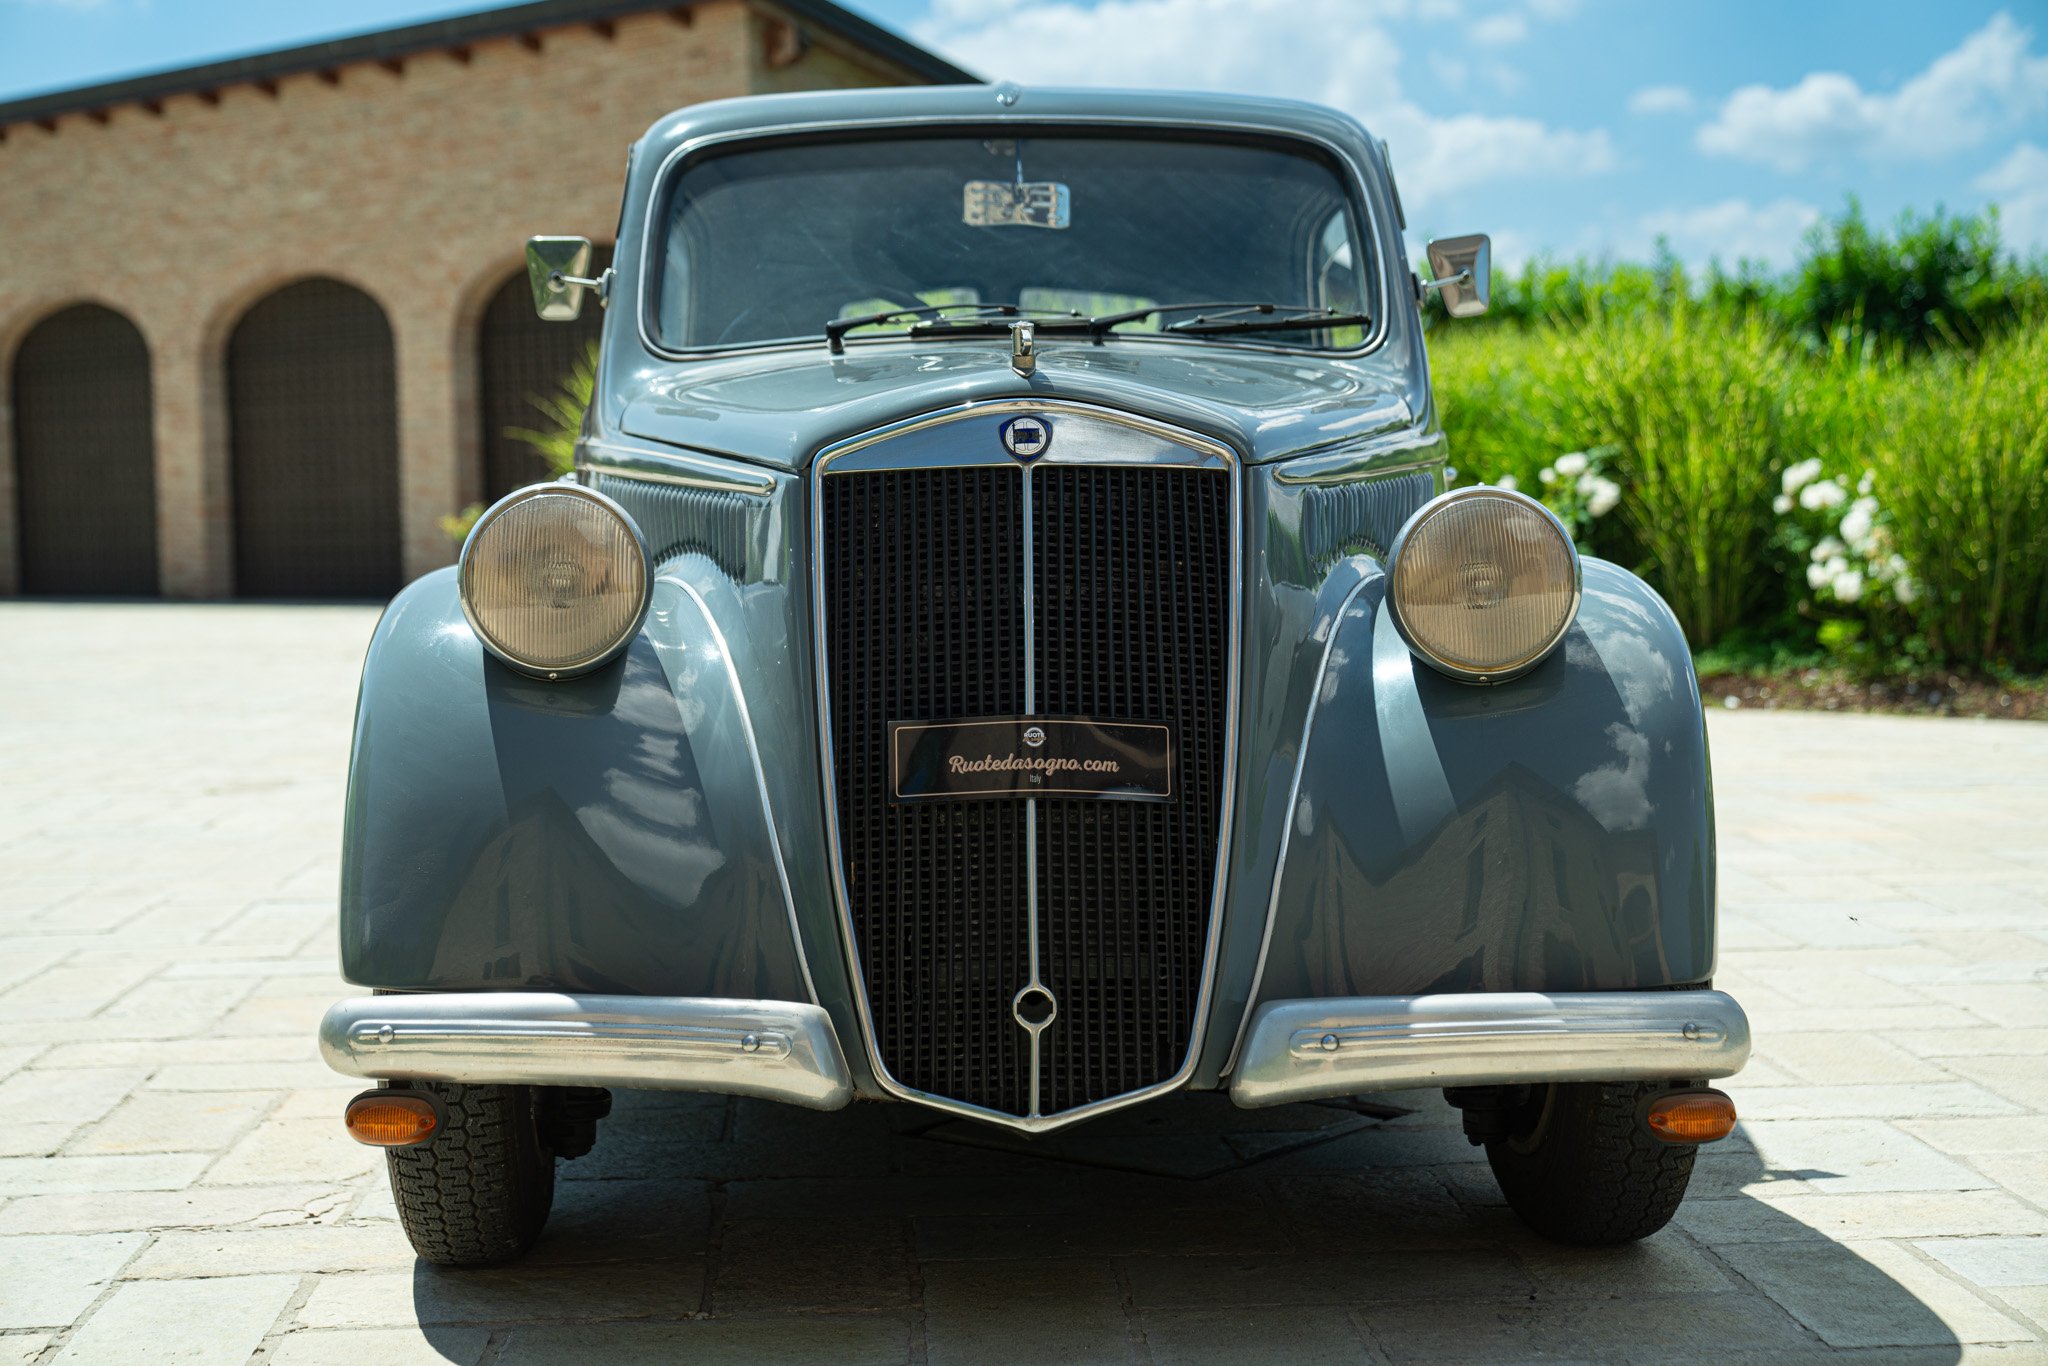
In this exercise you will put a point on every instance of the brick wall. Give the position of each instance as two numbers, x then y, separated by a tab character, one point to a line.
419	186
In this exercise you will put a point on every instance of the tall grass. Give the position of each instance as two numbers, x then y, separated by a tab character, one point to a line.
1704	407
1962	452
1691	407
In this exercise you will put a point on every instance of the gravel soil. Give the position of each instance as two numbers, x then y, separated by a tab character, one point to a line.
2023	699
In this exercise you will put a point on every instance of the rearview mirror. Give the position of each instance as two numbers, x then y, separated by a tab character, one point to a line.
559	270
1463	271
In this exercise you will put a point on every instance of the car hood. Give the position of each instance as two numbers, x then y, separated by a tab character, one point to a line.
780	407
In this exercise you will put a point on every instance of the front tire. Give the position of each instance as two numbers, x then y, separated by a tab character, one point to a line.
477	1193
1579	1166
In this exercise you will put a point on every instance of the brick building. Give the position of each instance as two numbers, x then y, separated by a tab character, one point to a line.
264	322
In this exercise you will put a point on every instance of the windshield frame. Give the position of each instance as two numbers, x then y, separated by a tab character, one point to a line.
1357	185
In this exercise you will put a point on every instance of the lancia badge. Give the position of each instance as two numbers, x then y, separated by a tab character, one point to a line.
1026	437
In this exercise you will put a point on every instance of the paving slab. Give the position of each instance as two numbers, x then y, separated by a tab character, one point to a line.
217	1322
48	1280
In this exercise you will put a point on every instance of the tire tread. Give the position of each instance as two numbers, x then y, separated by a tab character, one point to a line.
478	1194
1597	1177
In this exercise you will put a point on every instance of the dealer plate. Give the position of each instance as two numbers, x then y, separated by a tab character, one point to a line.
1030	756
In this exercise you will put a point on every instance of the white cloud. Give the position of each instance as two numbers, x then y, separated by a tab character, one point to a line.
1661	99
1991	81
1335	52
1732	230
1500	30
2019	186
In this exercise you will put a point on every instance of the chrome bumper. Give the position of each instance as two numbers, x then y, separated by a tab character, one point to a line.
1302	1050
778	1050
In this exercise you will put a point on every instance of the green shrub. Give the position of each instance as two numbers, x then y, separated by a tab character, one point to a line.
563	410
1961	447
1938	280
1692	405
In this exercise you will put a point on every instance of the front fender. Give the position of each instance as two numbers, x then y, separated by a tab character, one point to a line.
1550	834
603	834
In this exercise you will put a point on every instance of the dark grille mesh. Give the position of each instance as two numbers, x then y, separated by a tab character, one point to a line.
924	620
1132	624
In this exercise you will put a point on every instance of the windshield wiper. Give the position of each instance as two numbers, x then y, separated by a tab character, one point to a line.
946	319
996	320
1213	318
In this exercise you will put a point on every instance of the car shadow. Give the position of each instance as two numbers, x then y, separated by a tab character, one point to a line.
741	1230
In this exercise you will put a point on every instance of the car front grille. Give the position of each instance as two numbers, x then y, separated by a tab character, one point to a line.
925	618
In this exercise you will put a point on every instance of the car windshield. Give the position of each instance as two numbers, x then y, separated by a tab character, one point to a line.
772	242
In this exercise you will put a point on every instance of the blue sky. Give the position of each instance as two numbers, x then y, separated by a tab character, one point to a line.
1564	127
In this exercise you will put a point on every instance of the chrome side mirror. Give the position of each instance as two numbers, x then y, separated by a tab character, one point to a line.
558	268
1463	267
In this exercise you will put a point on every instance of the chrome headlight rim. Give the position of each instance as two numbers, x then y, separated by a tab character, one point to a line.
594	660
1522	665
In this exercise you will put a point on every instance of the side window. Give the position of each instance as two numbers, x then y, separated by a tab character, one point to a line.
1335	283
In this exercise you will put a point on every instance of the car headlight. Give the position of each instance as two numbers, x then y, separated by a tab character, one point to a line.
555	579
1484	583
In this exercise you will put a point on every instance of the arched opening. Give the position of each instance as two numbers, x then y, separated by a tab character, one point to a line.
85	456
519	358
313	433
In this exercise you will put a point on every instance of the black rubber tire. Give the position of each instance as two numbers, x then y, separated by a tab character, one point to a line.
1587	1171
479	1192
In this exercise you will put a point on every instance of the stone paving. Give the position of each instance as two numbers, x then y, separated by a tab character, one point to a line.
175	1183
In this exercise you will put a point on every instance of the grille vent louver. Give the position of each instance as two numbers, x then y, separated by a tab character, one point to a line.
923	580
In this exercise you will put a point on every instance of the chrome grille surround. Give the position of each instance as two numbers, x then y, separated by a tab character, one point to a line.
1087	435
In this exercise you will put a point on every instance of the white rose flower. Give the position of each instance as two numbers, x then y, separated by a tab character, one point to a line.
1547	475
1605	497
1572	465
1836	566
1865	484
1508	482
1799	475
1816	576
1828	548
1858	522
1905	589
1825	493
1848	586
1782	504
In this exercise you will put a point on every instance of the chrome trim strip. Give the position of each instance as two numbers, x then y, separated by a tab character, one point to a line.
1308	727
1393	283
673	467
1034	982
776	1050
1305	1050
1208	453
796	933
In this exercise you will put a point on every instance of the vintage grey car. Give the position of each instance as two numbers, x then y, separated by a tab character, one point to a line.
1009	646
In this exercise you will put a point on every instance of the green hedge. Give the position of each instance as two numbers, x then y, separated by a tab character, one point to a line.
1881	494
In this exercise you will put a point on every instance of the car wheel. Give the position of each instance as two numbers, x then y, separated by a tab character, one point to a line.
1579	1166
479	1191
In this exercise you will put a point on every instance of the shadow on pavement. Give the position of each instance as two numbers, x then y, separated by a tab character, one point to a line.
1189	1230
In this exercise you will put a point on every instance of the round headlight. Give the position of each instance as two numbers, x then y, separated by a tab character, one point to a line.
554	579
1484	583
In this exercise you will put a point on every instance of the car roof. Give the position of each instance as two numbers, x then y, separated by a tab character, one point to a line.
1004	103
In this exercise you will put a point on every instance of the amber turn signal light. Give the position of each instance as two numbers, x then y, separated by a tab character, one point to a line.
1691	1117
391	1119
